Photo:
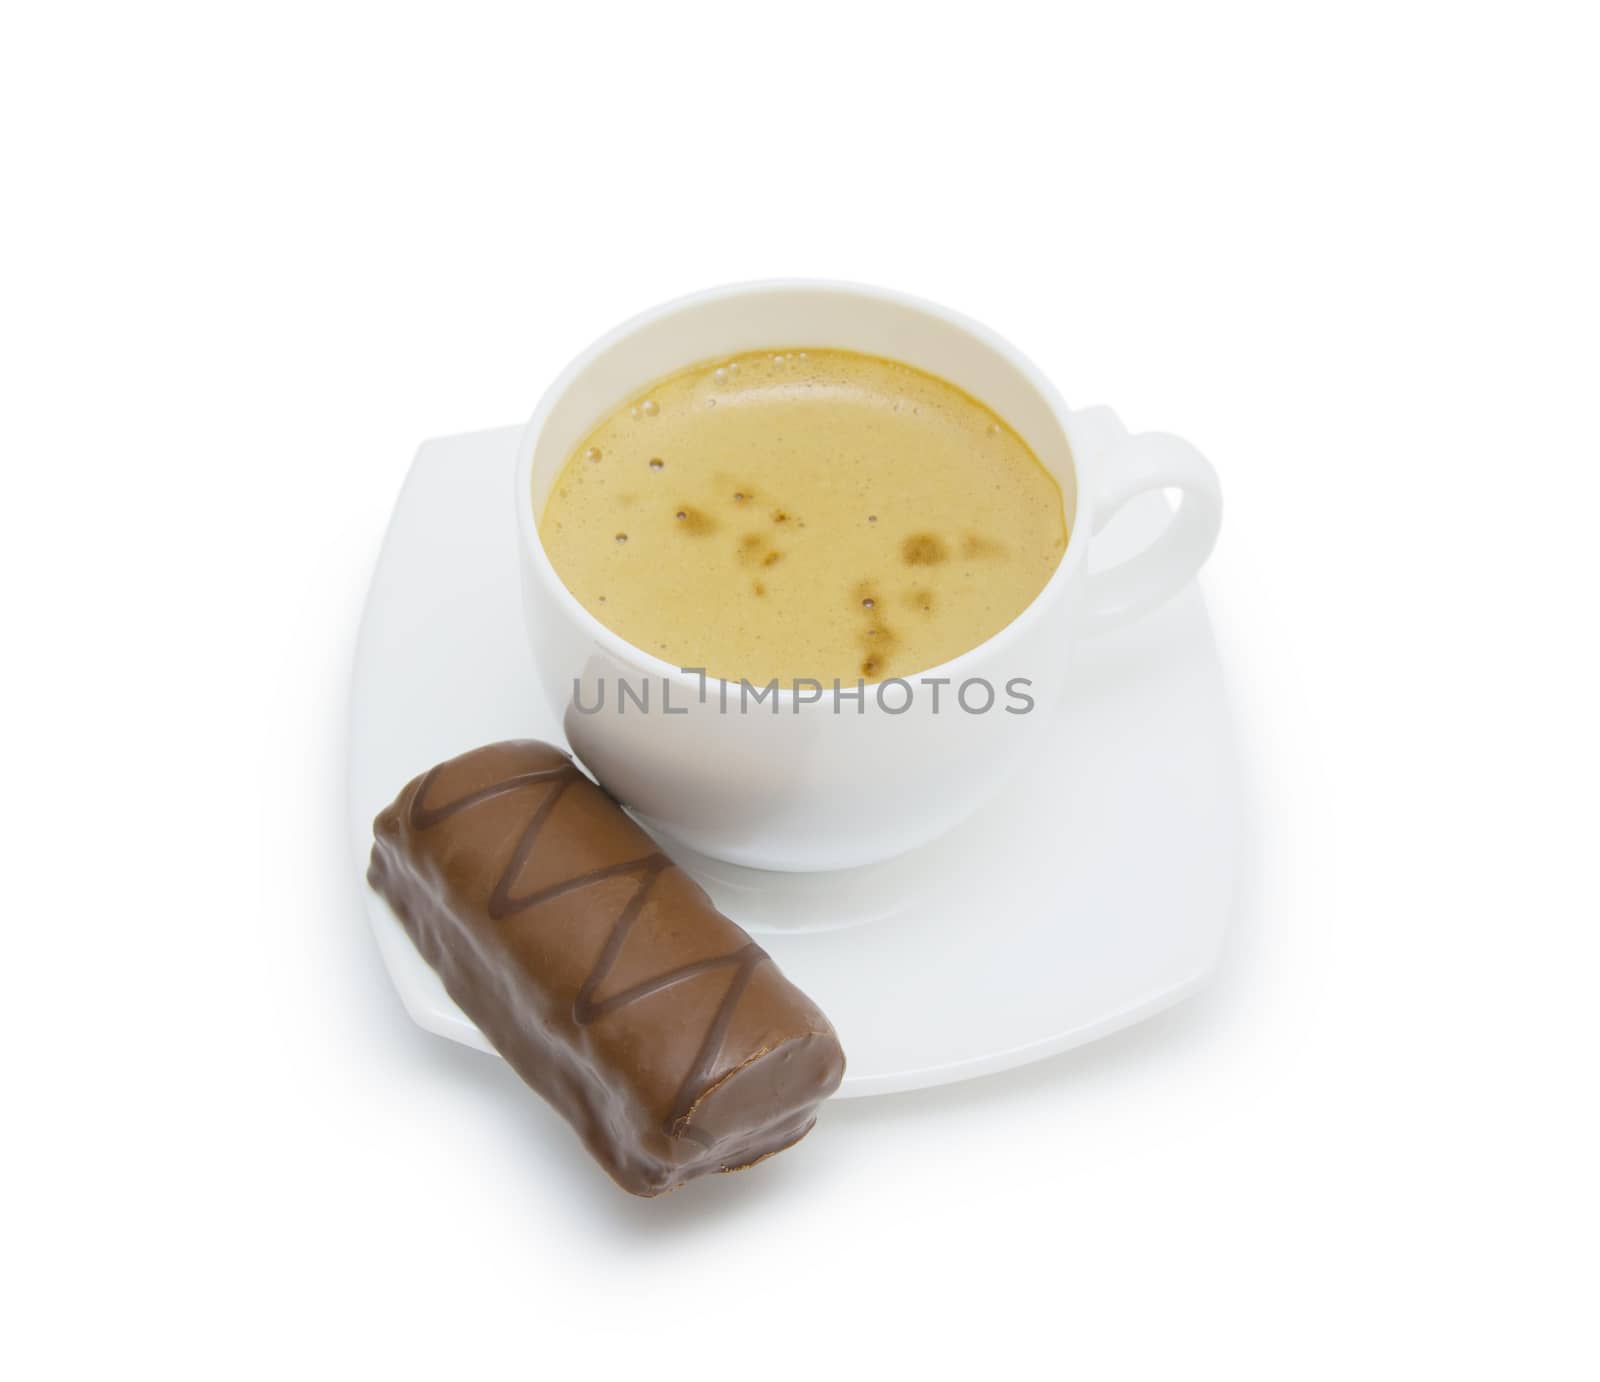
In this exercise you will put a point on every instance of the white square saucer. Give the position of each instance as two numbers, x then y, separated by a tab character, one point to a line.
1091	894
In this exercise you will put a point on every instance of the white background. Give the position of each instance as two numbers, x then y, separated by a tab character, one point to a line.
254	254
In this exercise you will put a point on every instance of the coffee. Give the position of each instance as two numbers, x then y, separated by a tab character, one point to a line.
804	513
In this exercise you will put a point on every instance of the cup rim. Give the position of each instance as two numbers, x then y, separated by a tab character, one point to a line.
625	651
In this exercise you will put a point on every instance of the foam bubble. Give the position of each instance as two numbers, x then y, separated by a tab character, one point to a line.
649	407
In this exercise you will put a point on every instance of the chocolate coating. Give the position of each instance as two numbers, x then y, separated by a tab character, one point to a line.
599	969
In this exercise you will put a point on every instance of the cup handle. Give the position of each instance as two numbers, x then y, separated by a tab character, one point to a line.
1122	467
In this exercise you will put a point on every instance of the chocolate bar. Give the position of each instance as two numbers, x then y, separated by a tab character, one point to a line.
599	969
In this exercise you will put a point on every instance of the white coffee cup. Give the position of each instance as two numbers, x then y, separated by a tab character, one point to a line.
800	780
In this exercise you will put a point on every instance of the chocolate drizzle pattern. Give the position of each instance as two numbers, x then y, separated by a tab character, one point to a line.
645	871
